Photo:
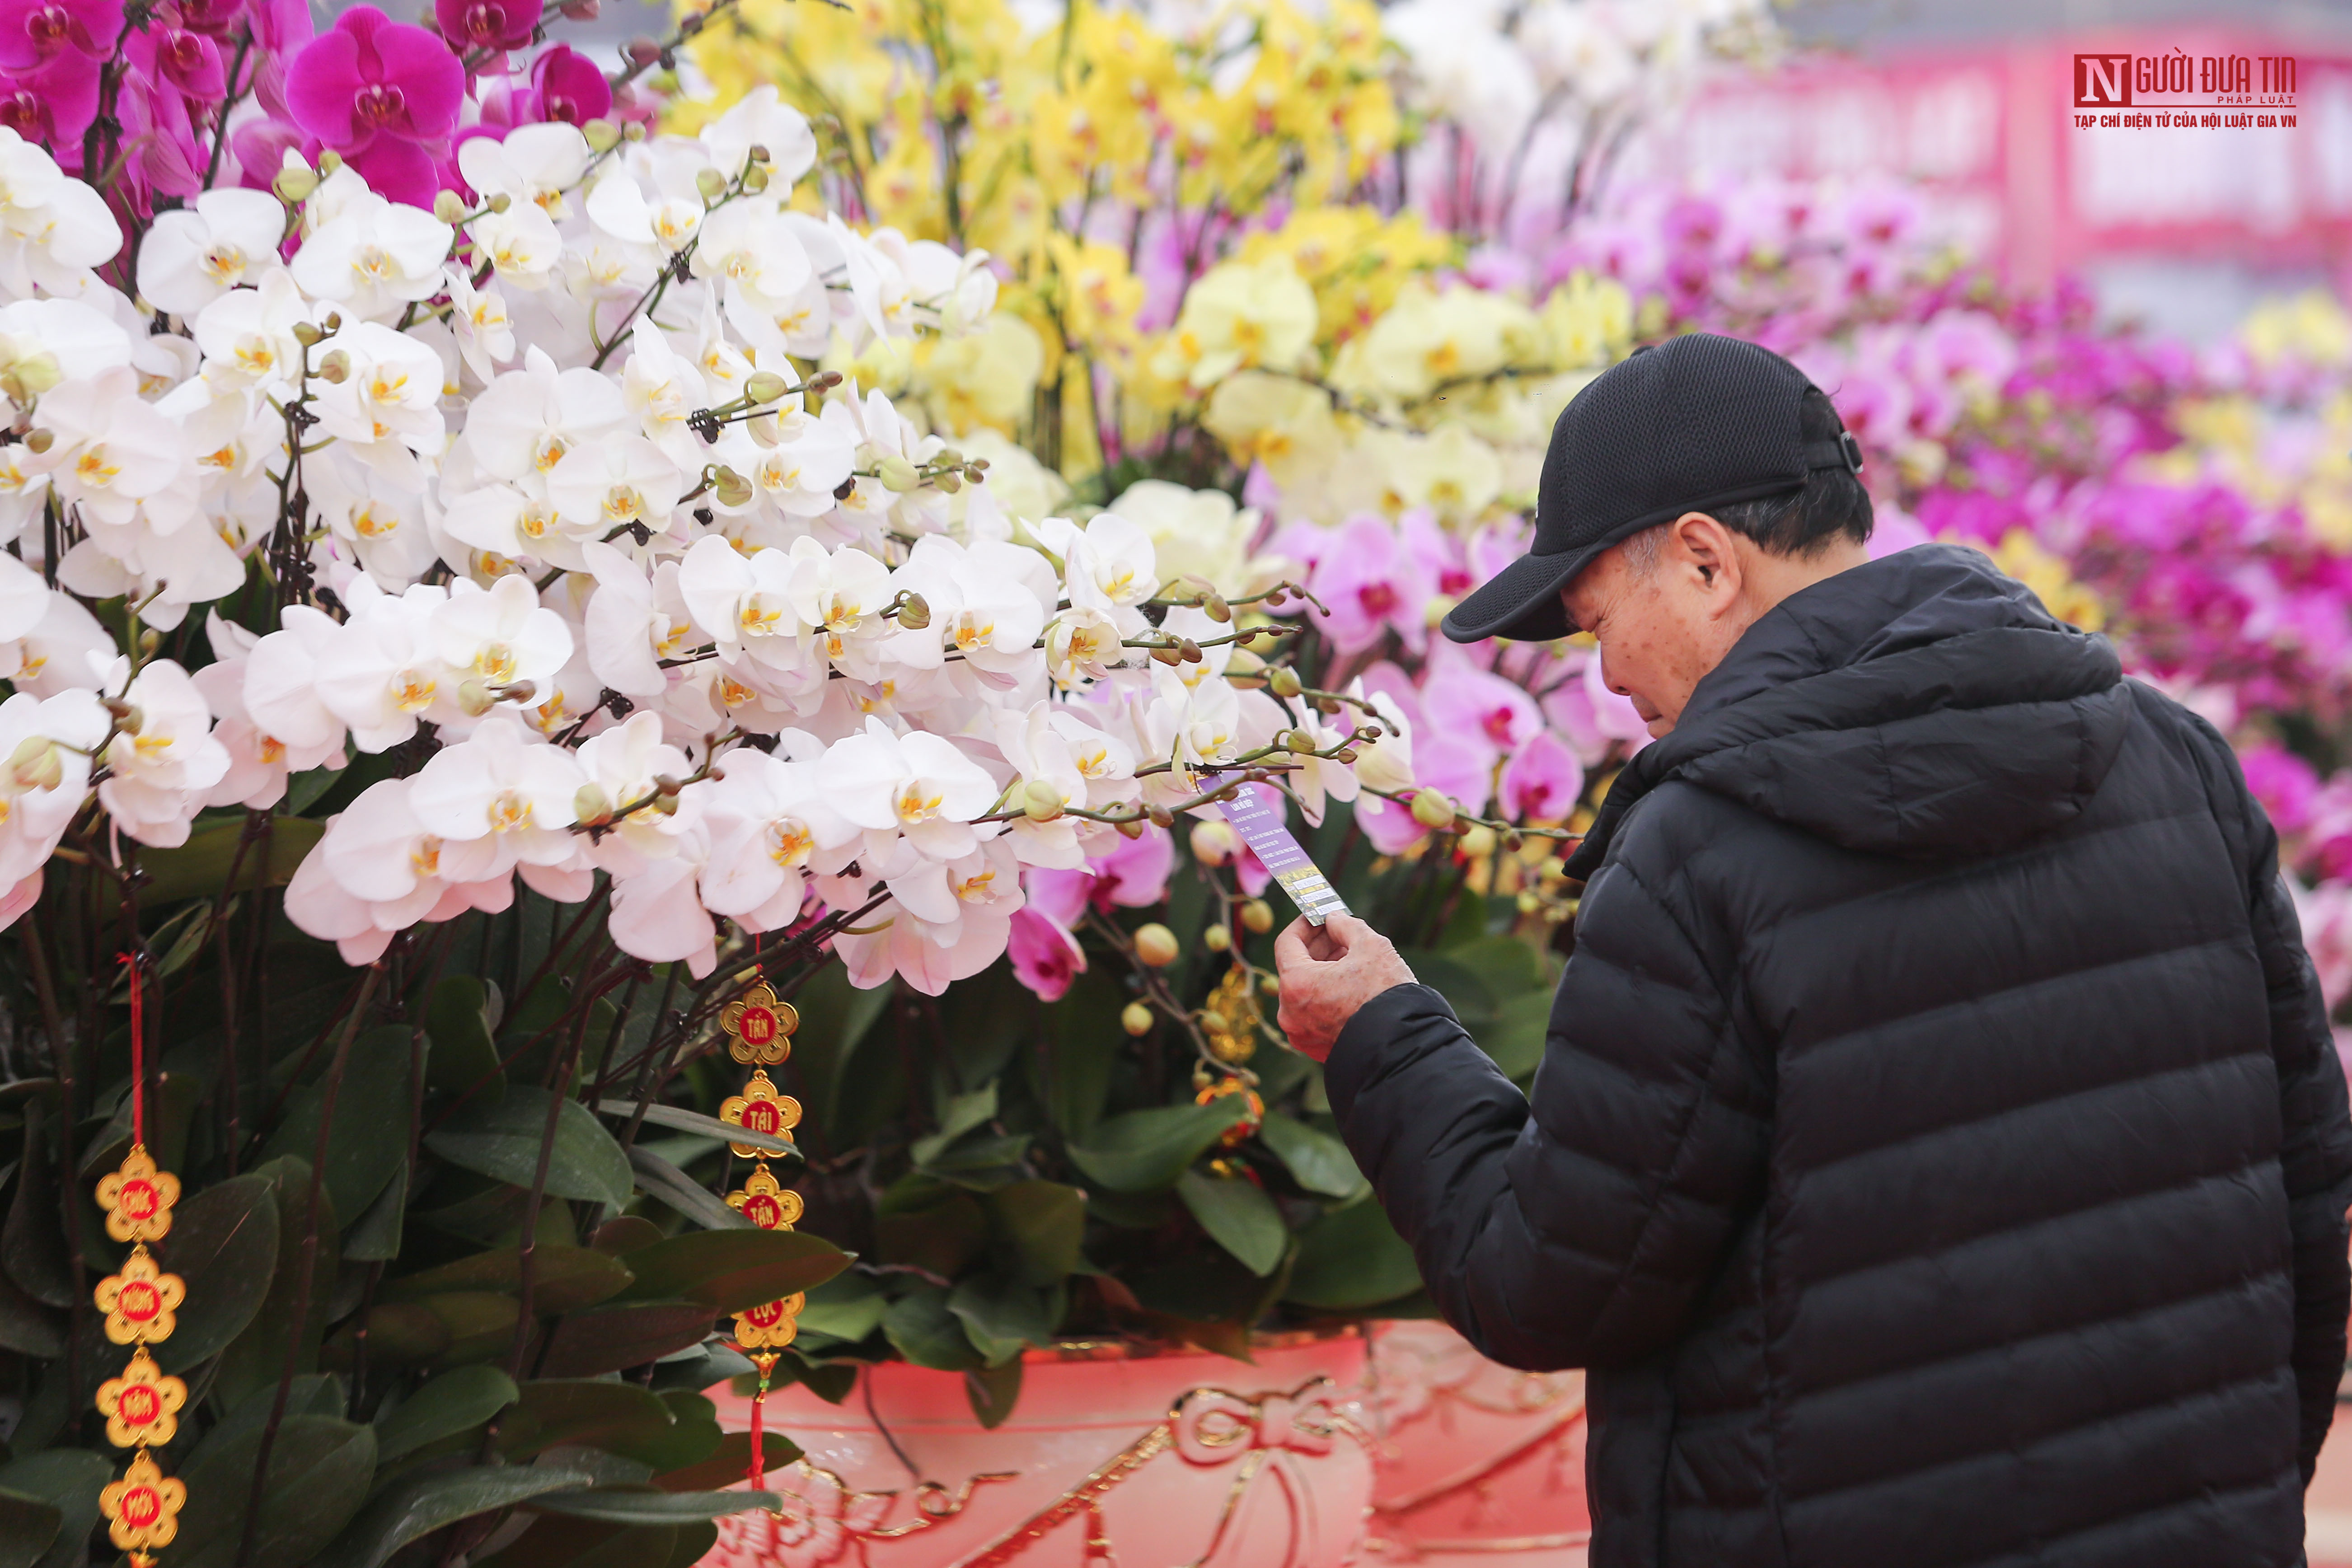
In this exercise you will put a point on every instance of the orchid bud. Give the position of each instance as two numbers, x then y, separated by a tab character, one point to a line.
711	184
975	474
633	132
37	440
755	180
732	488
1270	985
1216	939
1258	915
757	152
293	186
333	324
898	475
642	51
335	368
308	334
475	697
1213	842
1188	651
1212	1021
502	201
948	480
979	463
582	10
1132	827
119	710
448	208
1167	653
1327	705
914	613
1276	599
1240	661
1040	802
150	639
1344	754
1155	944
827	380
1159	817
666	804
1218	610
330	161
1479	842
518	691
32	375
666	787
1136	1018
1283	681
34	765
1432	809
591	804
1298	741
765	386
603	135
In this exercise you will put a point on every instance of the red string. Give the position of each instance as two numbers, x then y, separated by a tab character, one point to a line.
759	1471
138	1054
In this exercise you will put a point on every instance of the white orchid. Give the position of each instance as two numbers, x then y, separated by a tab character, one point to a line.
191	257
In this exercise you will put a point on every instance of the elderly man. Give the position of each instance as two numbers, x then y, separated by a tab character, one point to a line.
1940	1156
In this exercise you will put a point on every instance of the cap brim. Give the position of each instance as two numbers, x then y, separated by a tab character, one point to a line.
1522	601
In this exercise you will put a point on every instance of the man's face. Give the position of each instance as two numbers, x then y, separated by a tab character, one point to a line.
1661	630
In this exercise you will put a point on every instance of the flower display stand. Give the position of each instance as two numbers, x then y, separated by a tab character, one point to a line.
1110	1457
1473	1461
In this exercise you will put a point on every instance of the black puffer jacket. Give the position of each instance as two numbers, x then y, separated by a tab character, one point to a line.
1940	1157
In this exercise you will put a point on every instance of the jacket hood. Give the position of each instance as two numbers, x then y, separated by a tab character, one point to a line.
1923	705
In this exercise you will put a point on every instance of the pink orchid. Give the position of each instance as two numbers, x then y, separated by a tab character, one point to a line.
1373	584
1045	957
373	89
1437	552
1542	781
491	25
33	32
1134	871
2285	785
186	60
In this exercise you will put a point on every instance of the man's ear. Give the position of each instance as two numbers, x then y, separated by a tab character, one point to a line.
1705	546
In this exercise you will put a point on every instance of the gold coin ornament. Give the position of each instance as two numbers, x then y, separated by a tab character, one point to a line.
759	1027
138	1198
142	1407
759	1109
1252	1115
765	1202
142	1509
142	1303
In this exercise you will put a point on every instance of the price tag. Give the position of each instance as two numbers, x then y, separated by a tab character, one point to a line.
1261	827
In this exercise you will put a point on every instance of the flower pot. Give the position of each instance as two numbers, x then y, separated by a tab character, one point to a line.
1110	1457
1472	1460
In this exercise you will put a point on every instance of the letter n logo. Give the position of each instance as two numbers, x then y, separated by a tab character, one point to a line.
2102	81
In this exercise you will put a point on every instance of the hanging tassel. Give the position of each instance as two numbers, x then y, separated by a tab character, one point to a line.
759	1471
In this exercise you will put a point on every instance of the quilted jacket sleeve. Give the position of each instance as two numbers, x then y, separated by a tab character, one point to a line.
1581	1229
2316	1154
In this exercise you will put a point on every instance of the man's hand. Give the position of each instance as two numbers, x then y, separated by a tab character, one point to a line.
1329	972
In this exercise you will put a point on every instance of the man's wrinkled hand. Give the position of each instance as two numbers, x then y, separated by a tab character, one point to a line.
1327	972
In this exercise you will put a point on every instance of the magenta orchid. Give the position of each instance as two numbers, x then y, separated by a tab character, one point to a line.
381	93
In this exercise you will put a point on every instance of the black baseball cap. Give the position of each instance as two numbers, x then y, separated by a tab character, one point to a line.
1695	422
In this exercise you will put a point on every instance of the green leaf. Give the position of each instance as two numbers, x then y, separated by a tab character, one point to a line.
1317	1162
258	1354
1517	1039
963	1113
374	1237
693	1435
730	1462
624	1333
680	1120
414	1509
622	1505
847	1306
991	1391
924	1222
502	1141
1083	1042
563	1278
67	1479
224	1244
453	1402
458	1021
28	1527
1238	1216
585	1411
33	1244
27	1327
370	1138
730	1270
201	867
1147	1149
319	1471
1350	1259
923	1329
682	1193
1041	1224
1002	1316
